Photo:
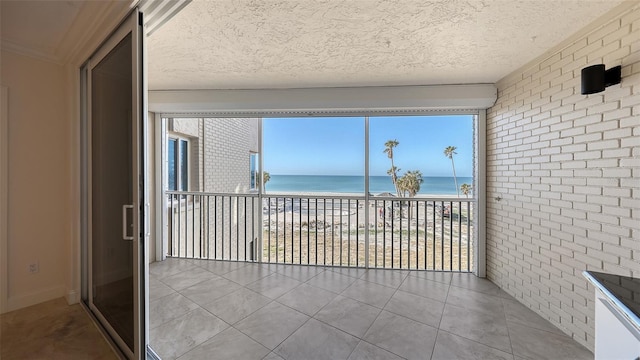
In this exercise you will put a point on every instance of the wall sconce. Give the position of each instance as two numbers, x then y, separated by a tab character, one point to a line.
595	79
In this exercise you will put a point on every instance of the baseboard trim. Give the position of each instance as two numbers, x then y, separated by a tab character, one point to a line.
22	301
72	297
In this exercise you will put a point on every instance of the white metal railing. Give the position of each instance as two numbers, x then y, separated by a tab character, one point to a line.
353	231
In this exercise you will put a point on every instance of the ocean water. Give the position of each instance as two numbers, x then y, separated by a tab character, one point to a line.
355	184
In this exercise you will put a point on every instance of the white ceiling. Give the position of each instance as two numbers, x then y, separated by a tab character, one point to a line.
252	44
37	27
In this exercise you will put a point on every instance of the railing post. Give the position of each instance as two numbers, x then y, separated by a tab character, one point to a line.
366	194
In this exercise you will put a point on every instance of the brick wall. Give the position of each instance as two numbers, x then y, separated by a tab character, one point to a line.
228	144
567	169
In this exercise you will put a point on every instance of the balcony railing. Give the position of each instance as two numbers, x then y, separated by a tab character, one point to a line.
351	231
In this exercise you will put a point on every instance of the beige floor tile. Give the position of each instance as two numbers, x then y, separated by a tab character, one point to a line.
51	330
427	315
317	341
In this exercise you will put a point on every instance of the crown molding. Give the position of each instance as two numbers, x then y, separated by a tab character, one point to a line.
95	21
16	48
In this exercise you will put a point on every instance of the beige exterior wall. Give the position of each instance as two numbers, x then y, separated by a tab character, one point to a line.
39	212
567	169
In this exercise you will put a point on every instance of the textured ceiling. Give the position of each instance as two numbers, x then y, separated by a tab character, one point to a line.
232	44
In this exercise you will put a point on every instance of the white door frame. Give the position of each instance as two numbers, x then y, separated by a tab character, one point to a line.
4	197
133	26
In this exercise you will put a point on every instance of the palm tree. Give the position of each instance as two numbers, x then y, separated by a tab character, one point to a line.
393	171
449	151
265	178
466	189
410	183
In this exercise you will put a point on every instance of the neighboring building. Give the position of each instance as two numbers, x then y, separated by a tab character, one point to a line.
199	147
212	155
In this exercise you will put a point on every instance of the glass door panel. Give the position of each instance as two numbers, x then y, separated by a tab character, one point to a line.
115	123
112	189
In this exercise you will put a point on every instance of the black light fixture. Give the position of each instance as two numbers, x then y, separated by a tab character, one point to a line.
595	79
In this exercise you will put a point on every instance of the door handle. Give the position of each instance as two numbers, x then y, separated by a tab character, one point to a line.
125	223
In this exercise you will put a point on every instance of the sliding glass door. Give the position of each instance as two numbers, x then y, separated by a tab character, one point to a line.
115	187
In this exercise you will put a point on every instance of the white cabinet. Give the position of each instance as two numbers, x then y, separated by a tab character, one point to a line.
616	337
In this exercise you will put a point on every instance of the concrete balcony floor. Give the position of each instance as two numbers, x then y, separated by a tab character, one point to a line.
203	309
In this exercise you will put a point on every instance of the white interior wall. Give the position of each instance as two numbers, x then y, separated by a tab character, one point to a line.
43	202
38	177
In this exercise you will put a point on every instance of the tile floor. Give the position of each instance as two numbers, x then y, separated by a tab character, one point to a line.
52	330
224	310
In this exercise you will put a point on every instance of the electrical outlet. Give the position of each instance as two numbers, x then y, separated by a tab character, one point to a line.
33	267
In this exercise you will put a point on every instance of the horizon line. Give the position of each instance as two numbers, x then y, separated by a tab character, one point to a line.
385	175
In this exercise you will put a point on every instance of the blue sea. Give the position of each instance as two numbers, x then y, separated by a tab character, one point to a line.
355	184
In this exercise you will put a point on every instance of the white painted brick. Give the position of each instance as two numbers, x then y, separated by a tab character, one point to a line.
570	50
572	99
615	58
588	260
588	189
614	115
631	39
588	155
585	51
616	269
630	100
619	33
589	101
616	92
620	154
605	30
576	114
562	110
589	137
575	67
605	144
597	55
631	18
550	106
558	81
603	163
572	131
578	164
612	171
553	59
588	225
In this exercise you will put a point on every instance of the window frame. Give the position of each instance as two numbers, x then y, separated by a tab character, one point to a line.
480	143
254	171
179	181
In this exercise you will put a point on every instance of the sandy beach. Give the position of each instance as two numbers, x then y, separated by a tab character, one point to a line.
415	235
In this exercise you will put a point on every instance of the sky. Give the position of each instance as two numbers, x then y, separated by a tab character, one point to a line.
335	146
